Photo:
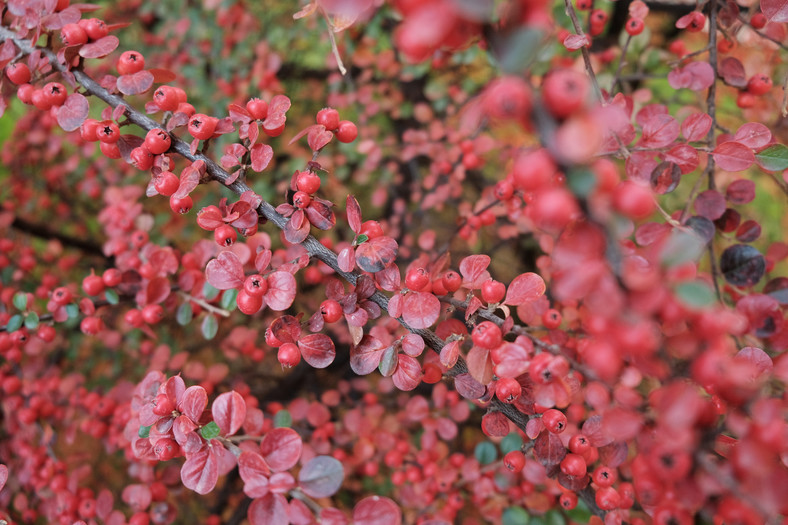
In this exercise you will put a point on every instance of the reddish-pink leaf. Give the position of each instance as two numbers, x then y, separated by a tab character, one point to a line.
696	127
201	471
622	423
775	10
365	357
525	287
757	358
3	476
229	412
733	156
321	477
346	260
375	254
474	271
281	449
55	21
353	214
317	349
732	72
710	204
659	131
754	135
162	76
225	272
261	155
271	509
190	179
100	48
420	309
740	191
480	364
683	156
548	449
413	345
193	402
695	76
281	291
575	42
209	218
321	214
134	84
592	429
73	112
388	361
286	328
389	279
254	473
640	165
468	387
638	9
515	360
376	510
104	503
450	353
408	374
276	112
158	290
137	496
396	304
318	137
495	424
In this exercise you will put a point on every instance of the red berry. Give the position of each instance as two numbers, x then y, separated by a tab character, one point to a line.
633	200
565	91
607	498
157	141
89	130
451	281
94	27
108	132
55	93
18	73
584	5
166	98
493	291
598	19
331	311
417	279
329	118
574	465
153	313
61	295
202	126
166	448
372	229
257	108
46	333
745	99
554	421
141	158
697	21
432	374
503	190
73	35
759	84
93	284
634	26
487	335
134	318
166	183
551	319
256	285
130	62
225	235
301	200
533	170
347	131
308	182
111	277
249	304
508	389
508	98
604	476
514	460
110	150
758	20
25	93
91	325
568	500
181	205
289	355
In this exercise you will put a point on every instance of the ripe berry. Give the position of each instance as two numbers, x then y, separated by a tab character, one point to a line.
257	108
347	131
551	319
451	281
565	91
584	5
514	460
256	285
533	170
432	374
110	150
574	465
46	333
55	93
91	325
94	27
745	99
417	279
487	335
554	421
130	62
153	313
758	20
289	355
167	98
166	448
249	304
568	500
181	205
18	73
134	318
301	200
759	84
88	130
331	311
607	498
329	118
604	476
372	229
202	126
493	291
25	93
73	35
93	284
108	132
225	235
634	26
141	158
166	183
157	141
508	98
633	200
697	21
61	295
308	182
598	19
504	190
508	389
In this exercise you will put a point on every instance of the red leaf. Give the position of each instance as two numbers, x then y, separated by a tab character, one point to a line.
468	387
754	135
420	309
592	429
495	424
201	471
297	228
317	349
193	402
321	477
710	204
365	357
733	156
395	305
740	191
376	510
55	21
100	48
389	279
281	291
575	42
73	112
318	137
268	510
134	84
515	361
353	214
524	288
346	260
696	127
254	473
548	449
732	72
261	155
408	374
262	260
775	10
162	76
190	179
137	496
757	358
474	271
209	218
684	156
321	214
158	290
281	449
276	112
638	9
695	76
480	365
659	131
388	362
450	353
229	412
225	272
413	345
375	254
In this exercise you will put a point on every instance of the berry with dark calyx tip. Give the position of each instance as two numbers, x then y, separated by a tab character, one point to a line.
634	26
758	20
141	158
93	284
697	22
249	304
94	27
508	389
289	355
565	91
301	200
181	205
308	182
62	295
152	313
514	461
579	444
55	93
568	500
163	405
255	285
329	118
493	291
574	465
551	319
331	311
759	84
417	279
257	108
166	183
157	141
73	35
166	98
503	190
604	476
18	73
451	281
225	235
347	131
584	5
554	421
108	132
598	19
202	126
130	62
487	335
111	277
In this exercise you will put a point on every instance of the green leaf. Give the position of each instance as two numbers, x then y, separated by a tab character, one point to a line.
228	299
210	431
579	514
31	321
14	324
20	300
209	292
183	315
361	239
682	246
144	431
582	182
72	310
519	49
485	453
283	419
695	294
773	158
209	326
515	516
111	296
511	442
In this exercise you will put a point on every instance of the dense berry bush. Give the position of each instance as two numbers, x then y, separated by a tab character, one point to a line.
370	263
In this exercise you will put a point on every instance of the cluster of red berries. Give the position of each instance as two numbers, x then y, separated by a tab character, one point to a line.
84	31
344	130
758	84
